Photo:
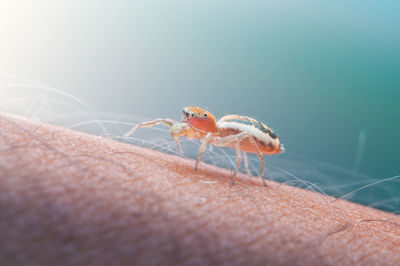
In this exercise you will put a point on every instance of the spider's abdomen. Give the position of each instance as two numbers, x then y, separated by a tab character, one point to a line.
267	141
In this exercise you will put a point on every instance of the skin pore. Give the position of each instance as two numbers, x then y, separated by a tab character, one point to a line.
78	199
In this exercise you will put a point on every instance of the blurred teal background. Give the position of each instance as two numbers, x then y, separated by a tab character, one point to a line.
324	74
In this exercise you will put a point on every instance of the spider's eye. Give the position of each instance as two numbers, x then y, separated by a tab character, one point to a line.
192	114
205	114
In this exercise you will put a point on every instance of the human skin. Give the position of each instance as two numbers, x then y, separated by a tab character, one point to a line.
76	199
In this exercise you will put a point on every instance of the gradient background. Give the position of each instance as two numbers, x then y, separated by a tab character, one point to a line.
324	75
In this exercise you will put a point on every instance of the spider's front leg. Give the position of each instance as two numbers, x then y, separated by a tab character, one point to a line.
177	129
202	148
166	121
246	163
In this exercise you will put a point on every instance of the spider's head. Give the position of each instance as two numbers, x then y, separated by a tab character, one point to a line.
200	119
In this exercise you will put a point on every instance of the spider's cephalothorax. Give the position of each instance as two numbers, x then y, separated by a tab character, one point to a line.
245	134
200	119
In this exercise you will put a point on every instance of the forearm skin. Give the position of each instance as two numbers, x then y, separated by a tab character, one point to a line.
72	198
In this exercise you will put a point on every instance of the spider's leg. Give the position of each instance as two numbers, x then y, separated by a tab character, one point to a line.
178	144
238	159
262	169
203	146
151	123
261	156
177	129
232	141
246	163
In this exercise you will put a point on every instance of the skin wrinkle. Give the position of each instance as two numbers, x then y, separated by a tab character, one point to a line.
223	234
